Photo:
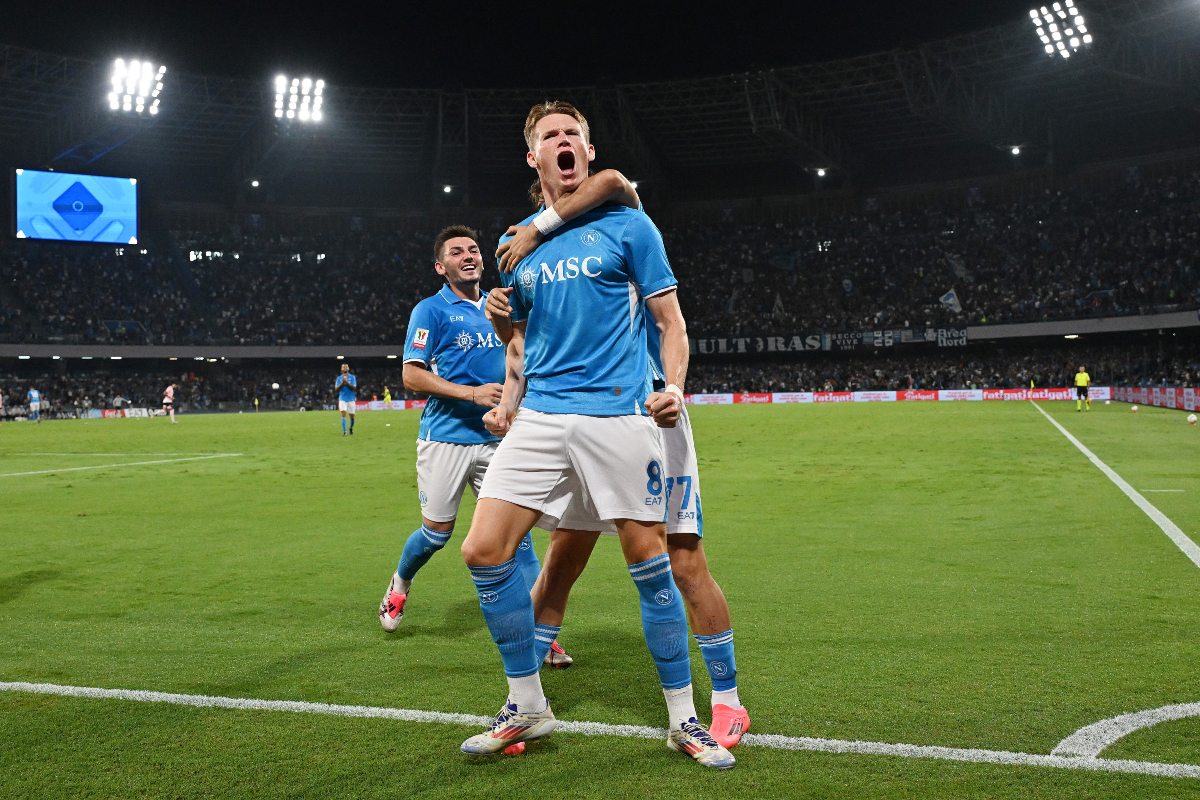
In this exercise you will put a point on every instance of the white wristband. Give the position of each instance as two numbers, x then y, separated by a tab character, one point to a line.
673	389
548	221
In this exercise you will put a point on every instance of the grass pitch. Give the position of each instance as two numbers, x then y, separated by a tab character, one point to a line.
952	574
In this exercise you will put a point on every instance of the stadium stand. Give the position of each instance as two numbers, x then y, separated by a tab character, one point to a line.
1070	254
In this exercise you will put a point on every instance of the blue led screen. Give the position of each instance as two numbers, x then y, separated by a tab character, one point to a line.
76	208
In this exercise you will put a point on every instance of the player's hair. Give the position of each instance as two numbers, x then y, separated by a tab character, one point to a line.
452	232
543	110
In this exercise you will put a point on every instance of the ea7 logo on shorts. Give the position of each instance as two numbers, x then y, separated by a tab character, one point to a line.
590	238
488	597
719	668
664	597
421	339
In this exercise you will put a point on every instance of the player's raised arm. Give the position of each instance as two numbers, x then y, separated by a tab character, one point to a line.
667	405
608	186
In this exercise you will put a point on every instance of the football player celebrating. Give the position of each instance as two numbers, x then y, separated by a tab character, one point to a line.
571	546
452	355
586	433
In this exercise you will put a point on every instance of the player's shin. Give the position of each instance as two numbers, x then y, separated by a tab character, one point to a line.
527	560
419	548
664	623
543	638
717	652
508	611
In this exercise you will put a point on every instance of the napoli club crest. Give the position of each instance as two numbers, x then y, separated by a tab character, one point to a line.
590	238
528	277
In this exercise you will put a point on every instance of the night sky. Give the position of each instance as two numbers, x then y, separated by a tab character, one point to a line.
448	44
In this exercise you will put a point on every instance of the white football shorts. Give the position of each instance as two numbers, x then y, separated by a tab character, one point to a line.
612	467
34	406
444	469
347	405
682	484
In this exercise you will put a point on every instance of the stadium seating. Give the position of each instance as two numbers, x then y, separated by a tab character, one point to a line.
1058	255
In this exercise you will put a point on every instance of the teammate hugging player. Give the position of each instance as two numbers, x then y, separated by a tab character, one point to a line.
452	355
346	386
584	434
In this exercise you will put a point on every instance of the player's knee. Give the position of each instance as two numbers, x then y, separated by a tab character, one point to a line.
477	553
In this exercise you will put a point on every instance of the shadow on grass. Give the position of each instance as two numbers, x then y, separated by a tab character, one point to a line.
12	588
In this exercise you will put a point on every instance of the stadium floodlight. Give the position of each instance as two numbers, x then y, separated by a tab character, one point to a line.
1061	28
136	86
254	184
820	173
447	189
1016	151
299	98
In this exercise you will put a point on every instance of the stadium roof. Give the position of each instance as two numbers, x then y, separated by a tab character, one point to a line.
952	106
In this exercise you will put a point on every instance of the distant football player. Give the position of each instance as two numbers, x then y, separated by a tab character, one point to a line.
1082	382
587	432
34	398
452	355
169	401
347	388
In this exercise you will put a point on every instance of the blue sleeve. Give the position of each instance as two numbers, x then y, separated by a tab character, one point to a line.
418	346
354	381
646	256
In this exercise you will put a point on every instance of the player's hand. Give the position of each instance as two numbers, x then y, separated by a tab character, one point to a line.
526	239
665	407
499	420
497	306
487	395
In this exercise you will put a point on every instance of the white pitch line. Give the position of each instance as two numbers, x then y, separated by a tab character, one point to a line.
112	454
1181	540
1089	741
108	466
638	731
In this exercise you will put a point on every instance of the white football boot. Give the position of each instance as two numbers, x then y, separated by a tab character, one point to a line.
510	728
692	738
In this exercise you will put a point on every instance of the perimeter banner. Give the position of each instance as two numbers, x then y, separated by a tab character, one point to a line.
943	395
1163	397
808	342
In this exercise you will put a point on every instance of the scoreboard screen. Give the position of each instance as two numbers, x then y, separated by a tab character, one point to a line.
75	208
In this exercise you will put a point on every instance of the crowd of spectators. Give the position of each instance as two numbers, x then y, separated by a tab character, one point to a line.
90	293
234	388
1056	255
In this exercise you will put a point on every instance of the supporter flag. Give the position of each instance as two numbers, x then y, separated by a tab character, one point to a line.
950	301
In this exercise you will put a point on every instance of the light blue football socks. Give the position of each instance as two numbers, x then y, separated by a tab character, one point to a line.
419	548
664	621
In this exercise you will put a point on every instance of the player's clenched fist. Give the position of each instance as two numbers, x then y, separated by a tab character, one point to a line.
499	420
487	395
665	407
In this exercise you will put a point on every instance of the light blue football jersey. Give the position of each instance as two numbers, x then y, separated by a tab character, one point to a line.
454	339
346	393
583	293
35	396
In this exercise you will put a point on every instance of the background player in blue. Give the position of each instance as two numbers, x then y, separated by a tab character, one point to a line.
346	387
571	546
34	397
584	433
452	355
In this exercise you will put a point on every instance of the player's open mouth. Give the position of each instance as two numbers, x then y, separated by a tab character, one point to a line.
566	162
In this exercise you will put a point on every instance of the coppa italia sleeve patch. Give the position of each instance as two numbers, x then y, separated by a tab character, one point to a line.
420	339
